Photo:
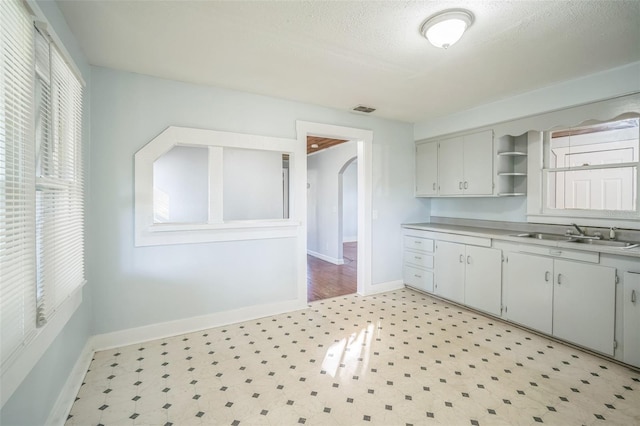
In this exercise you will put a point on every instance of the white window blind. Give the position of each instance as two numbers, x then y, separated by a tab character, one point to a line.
41	180
59	184
17	190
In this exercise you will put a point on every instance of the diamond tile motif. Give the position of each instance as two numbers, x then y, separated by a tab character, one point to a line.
397	358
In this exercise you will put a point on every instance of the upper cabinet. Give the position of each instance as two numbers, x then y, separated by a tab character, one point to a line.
460	166
427	169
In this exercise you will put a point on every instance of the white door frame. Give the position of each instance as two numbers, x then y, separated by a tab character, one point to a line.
364	139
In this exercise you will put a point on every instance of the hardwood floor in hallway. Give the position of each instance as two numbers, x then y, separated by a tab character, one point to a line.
325	280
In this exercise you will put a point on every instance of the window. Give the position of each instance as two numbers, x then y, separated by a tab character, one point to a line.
41	181
196	185
592	171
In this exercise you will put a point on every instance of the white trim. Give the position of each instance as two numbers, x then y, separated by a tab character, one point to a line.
326	258
18	368
46	27
62	407
364	140
351	239
387	286
189	325
145	228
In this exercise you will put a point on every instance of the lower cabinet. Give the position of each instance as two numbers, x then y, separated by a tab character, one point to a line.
574	301
417	270
584	304
450	271
529	291
631	318
470	275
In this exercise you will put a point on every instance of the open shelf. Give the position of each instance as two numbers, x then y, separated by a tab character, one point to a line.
511	165
513	153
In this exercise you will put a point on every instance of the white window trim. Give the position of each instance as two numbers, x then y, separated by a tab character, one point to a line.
585	114
20	364
149	233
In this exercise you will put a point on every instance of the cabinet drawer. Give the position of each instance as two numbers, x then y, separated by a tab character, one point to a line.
418	278
418	259
415	243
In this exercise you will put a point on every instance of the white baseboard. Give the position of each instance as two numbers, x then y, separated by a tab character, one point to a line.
325	257
353	239
188	325
386	286
60	411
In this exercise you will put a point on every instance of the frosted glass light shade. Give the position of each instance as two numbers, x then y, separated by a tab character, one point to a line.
445	29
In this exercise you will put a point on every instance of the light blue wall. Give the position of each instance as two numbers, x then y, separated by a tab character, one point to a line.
611	83
139	286
35	397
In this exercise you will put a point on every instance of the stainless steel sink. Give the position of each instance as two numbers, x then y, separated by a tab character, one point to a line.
544	236
578	240
608	243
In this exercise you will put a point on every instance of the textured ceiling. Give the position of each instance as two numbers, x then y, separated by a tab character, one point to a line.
343	53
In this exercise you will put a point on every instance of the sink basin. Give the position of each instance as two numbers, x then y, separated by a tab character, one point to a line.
543	236
573	239
607	243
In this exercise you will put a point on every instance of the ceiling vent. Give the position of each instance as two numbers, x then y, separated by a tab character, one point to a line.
364	109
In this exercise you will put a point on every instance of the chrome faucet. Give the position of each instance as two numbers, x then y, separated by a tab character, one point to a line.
582	234
580	231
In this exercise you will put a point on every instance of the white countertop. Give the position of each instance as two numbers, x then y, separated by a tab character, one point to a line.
509	235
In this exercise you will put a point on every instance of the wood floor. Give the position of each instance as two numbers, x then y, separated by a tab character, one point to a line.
325	280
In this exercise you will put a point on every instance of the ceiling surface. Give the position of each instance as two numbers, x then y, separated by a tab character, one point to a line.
343	53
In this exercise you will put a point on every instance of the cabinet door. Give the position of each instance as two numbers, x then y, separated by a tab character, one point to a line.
584	304
427	169
450	170
631	315
449	270
483	280
529	291
478	163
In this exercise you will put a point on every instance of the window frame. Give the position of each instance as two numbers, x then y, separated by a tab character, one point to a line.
618	108
588	213
17	365
150	233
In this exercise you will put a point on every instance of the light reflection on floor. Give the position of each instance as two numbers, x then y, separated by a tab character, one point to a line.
398	358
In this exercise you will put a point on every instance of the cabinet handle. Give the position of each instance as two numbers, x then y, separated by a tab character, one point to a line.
466	184
633	296
434	186
546	276
417	276
559	279
459	185
461	259
469	260
417	257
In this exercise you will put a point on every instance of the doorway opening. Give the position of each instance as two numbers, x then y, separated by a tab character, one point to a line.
332	222
356	254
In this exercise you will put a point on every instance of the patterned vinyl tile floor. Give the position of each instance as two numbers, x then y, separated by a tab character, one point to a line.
397	358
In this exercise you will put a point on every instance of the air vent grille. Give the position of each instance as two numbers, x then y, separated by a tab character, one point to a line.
364	109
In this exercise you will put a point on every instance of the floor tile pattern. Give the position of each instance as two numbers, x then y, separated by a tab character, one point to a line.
398	358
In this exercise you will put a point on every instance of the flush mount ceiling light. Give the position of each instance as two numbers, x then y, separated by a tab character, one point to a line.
445	28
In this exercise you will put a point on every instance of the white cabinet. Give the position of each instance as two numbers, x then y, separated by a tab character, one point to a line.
631	318
584	304
529	291
417	270
450	270
483	281
426	169
574	301
466	165
469	274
